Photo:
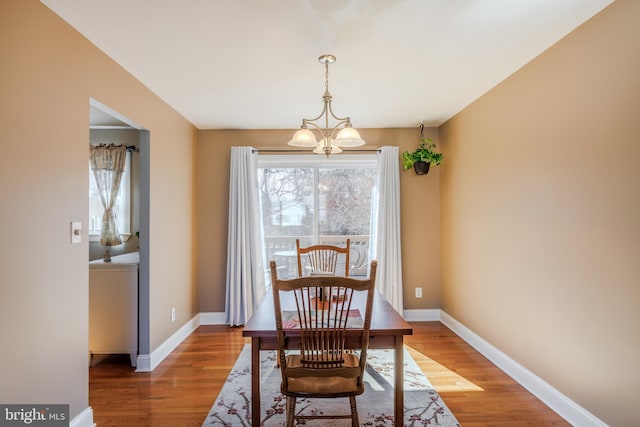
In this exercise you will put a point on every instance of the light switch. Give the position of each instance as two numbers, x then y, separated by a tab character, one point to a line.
76	231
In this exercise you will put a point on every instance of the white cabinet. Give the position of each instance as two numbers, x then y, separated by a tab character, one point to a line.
113	307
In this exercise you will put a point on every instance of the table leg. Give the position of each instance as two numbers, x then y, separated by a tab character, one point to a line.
255	381
398	408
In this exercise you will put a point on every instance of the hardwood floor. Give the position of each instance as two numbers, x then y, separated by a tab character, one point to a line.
475	390
181	390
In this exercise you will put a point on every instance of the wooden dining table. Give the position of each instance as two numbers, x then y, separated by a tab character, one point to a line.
387	331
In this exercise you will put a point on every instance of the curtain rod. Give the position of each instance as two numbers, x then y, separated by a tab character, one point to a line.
257	150
128	147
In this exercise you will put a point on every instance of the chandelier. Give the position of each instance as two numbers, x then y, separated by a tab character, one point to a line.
331	138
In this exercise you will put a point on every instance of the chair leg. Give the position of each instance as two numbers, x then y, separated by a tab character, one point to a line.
354	412
291	410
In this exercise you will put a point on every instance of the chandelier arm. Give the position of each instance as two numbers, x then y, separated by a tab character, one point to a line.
322	113
311	123
342	119
335	128
307	122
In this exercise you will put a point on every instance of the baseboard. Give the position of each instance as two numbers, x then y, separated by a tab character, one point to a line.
423	315
83	419
147	363
213	318
143	363
549	395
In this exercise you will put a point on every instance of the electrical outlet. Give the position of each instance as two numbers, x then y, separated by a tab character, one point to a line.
173	314
418	292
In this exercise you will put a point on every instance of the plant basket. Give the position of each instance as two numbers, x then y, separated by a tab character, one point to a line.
421	168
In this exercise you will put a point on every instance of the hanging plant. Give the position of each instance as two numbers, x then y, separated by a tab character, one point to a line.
423	157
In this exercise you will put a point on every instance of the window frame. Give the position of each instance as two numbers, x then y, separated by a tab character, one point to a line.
316	162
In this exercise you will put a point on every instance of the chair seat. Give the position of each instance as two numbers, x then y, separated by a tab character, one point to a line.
321	384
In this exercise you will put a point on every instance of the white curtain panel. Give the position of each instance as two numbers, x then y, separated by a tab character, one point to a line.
107	164
245	269
385	246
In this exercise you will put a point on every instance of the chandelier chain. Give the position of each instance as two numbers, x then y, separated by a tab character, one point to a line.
326	77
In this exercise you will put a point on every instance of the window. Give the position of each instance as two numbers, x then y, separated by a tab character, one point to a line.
122	205
319	201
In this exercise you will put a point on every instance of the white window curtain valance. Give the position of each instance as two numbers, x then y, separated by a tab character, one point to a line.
245	283
107	164
385	235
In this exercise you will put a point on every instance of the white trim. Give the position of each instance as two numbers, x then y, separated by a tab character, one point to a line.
147	363
94	238
422	315
113	113
83	419
569	410
143	363
304	160
213	318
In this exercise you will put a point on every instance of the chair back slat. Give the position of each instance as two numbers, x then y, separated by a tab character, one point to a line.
323	317
322	259
323	324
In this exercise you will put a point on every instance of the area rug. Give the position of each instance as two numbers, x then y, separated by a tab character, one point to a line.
422	404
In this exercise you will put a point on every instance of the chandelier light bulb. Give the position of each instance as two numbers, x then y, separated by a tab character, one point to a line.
303	138
349	137
331	148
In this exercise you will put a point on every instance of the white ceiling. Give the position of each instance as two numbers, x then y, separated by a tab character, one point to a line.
253	64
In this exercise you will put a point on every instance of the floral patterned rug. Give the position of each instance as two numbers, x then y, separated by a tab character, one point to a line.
422	404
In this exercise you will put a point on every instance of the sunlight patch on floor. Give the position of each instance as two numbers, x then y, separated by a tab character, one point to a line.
442	378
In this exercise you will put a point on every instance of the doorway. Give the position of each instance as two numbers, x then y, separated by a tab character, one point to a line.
104	118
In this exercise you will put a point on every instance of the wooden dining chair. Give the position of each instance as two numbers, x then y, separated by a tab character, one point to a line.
328	364
322	259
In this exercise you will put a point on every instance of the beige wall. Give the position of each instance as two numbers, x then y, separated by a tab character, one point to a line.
540	208
419	210
49	72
